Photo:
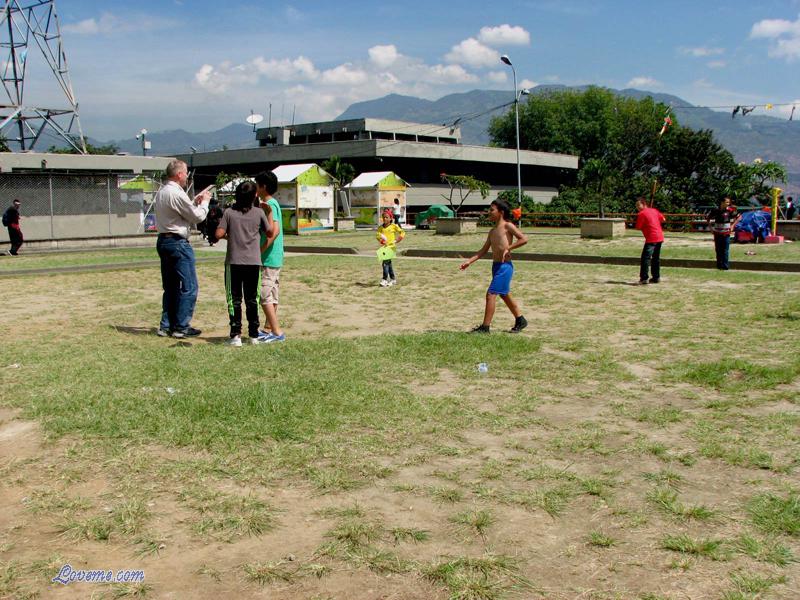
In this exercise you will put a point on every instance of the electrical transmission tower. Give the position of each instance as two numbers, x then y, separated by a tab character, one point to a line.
25	26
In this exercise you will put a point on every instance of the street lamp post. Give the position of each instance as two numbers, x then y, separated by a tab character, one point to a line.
507	61
142	135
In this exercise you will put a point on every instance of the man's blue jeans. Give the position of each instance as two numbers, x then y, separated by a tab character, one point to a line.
722	244
179	280
650	261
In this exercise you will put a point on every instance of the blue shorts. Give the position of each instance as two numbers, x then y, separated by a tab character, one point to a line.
501	278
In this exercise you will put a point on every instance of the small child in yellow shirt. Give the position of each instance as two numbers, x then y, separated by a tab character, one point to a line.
389	235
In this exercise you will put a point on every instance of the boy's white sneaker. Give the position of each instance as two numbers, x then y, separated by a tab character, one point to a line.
235	341
384	283
392	282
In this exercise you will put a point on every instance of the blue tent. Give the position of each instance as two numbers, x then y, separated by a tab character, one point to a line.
756	223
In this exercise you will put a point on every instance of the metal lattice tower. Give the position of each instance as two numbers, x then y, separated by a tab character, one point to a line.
26	25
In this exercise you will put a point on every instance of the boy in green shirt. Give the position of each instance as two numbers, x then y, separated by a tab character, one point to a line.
271	255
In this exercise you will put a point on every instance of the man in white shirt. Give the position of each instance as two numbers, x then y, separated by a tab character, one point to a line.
175	214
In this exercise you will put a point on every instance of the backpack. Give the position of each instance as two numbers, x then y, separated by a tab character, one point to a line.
6	219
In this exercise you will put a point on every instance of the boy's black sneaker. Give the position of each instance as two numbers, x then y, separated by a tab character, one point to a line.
519	324
480	329
654	280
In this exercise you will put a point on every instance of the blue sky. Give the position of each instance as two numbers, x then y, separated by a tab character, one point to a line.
201	64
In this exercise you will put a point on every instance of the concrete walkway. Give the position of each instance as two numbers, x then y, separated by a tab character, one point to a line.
683	263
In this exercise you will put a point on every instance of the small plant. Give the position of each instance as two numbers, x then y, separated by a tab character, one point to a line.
713	549
266	573
750	585
479	520
354	534
443	494
666	499
774	514
488	578
601	540
769	550
403	534
664	477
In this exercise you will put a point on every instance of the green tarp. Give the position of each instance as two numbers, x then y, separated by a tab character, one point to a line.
434	212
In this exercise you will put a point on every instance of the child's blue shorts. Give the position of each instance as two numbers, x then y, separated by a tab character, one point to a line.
501	278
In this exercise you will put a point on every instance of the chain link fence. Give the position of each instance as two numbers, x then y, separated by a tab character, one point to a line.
64	206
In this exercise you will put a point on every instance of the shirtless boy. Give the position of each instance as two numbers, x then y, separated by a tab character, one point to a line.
501	240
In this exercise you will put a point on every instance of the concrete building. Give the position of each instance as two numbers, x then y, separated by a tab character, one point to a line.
419	153
76	196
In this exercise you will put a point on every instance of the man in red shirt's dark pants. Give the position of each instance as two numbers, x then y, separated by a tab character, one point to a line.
648	221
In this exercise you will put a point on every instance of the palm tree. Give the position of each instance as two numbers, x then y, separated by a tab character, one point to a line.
342	173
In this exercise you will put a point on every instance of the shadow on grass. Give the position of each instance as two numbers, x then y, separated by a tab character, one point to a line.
152	331
135	330
630	283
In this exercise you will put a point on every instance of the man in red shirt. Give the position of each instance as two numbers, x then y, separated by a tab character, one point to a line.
648	221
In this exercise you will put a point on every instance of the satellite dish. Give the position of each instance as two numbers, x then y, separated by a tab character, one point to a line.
254	119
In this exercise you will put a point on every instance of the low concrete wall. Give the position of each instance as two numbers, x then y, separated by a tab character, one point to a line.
455	226
77	226
128	241
602	228
344	224
684	263
789	229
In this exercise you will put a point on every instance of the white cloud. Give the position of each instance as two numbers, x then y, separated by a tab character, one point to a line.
108	24
218	80
716	64
701	51
226	76
292	14
788	49
504	35
643	82
785	36
383	56
450	74
471	52
772	28
285	69
527	84
344	74
497	76
92	26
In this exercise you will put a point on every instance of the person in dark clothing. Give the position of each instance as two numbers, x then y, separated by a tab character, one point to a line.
724	220
790	208
212	222
11	220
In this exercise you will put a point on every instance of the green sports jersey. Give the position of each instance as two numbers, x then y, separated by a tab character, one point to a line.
273	256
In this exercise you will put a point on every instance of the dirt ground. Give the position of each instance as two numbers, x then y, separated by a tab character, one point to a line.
44	480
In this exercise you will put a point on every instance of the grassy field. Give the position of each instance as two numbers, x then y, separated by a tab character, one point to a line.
633	442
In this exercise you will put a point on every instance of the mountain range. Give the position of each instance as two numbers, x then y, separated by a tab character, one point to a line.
747	138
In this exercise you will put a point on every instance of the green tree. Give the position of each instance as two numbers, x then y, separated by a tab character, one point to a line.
464	185
90	149
622	156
